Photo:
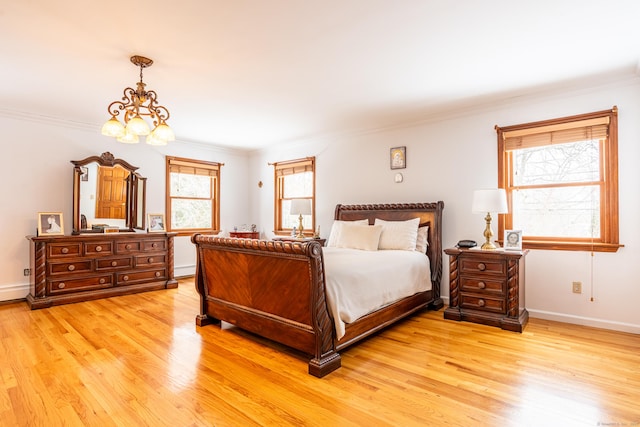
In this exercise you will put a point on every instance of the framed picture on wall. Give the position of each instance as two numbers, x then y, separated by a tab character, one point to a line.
156	223
50	224
513	240
398	157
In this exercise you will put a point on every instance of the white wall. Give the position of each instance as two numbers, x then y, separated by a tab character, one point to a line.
37	176
449	157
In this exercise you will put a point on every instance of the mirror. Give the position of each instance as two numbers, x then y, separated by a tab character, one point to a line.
107	193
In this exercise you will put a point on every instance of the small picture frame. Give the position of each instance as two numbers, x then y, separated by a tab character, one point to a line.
513	240
50	224
84	173
156	223
398	157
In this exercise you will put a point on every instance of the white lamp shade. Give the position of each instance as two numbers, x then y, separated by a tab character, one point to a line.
300	207
163	131
138	126
490	200
153	139
113	127
128	138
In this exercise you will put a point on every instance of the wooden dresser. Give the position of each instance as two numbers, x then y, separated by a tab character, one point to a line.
245	234
68	269
487	287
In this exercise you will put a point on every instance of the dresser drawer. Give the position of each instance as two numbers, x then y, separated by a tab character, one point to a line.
78	285
110	263
128	246
484	266
475	302
57	250
485	285
98	248
80	266
150	260
133	277
154	245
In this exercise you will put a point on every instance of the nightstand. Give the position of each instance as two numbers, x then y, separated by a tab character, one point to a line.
295	239
245	234
487	287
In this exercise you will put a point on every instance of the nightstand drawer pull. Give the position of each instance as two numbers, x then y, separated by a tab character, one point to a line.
102	281
71	267
482	285
98	248
114	263
158	274
125	278
482	266
61	285
65	250
127	247
154	245
150	260
481	302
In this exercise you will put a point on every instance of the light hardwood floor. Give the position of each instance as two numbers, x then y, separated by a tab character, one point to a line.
140	360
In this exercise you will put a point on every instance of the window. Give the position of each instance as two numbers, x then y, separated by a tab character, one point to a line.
294	179
193	195
561	179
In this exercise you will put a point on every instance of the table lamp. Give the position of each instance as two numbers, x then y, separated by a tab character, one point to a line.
487	201
300	207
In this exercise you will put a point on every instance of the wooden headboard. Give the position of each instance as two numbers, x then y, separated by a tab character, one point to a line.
429	213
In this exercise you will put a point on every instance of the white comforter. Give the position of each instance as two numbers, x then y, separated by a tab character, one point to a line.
359	282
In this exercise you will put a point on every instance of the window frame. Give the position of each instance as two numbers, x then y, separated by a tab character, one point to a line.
280	170
200	167
609	222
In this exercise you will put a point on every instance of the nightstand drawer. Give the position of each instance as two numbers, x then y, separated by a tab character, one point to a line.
489	286
484	266
494	305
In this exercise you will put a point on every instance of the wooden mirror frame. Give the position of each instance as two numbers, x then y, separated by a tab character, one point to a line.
135	197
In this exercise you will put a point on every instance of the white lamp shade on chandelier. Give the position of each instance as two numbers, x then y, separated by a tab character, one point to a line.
135	104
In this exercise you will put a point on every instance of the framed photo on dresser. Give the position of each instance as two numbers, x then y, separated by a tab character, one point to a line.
513	240
50	224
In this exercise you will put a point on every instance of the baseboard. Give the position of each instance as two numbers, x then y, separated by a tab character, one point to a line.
14	292
184	271
585	321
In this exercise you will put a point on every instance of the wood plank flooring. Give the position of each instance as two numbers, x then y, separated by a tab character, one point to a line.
139	360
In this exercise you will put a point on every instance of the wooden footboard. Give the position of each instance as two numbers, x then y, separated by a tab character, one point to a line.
271	288
276	289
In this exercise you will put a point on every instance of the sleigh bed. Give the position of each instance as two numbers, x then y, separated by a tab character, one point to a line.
278	289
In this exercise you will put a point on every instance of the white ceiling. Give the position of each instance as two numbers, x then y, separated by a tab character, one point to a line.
249	73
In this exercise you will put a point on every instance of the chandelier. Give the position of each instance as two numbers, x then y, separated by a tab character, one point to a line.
137	103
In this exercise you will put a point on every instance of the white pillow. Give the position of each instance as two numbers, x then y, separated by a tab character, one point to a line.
336	229
360	236
398	234
422	241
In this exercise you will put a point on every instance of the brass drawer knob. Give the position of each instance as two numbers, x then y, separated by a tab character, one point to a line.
127	247
114	263
102	281
481	302
154	245
65	250
482	266
71	267
125	278
98	248
61	285
158	274
482	285
150	260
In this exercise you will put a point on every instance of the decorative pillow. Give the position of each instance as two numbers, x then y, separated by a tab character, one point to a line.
422	241
360	236
398	234
336	229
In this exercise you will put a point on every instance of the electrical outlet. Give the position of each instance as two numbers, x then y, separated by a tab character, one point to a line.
27	272
577	287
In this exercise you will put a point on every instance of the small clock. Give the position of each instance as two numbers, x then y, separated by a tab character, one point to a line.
398	178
